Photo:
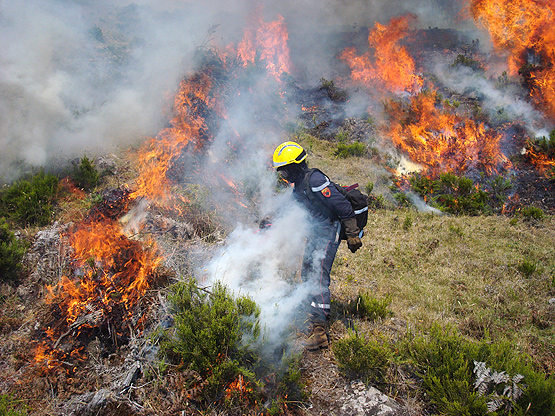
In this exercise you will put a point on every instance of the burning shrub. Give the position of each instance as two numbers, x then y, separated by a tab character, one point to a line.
11	252
85	175
212	335
29	202
466	61
334	93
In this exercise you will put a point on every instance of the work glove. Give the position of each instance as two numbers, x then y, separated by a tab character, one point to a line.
352	231
354	243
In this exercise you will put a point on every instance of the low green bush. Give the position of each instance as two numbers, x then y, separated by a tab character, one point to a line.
531	213
345	150
361	358
448	363
11	407
85	175
29	202
369	307
527	268
11	252
213	335
459	195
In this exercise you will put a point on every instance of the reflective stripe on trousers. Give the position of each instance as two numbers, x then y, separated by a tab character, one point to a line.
320	251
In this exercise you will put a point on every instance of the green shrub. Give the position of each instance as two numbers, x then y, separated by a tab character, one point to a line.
348	150
334	93
446	362
213	335
459	195
11	252
527	268
29	202
361	358
10	406
462	60
531	213
85	175
369	307
369	188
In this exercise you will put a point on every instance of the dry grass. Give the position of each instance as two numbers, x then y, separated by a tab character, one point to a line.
458	270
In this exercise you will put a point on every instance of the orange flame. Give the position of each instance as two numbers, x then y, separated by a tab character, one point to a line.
186	127
268	42
390	67
524	28
440	140
541	161
238	387
111	269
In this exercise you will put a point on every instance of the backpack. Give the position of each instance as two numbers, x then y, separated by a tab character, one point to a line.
358	200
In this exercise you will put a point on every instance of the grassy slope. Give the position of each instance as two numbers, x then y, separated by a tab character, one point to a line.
466	271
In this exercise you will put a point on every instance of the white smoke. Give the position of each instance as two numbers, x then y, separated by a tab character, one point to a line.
82	77
502	101
265	264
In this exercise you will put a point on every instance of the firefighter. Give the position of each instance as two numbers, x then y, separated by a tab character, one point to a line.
330	213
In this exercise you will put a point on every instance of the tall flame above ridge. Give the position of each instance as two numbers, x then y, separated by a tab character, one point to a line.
186	127
387	65
524	28
267	41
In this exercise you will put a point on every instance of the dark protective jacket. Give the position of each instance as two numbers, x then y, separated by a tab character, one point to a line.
329	204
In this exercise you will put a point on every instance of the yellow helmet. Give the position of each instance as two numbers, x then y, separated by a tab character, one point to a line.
288	153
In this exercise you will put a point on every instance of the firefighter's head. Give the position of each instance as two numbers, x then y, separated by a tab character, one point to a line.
290	161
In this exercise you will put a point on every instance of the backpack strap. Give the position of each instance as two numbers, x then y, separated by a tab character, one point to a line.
309	191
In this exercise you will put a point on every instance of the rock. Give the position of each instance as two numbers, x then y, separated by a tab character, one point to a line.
368	401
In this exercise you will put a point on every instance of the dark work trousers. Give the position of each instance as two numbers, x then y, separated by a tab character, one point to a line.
320	250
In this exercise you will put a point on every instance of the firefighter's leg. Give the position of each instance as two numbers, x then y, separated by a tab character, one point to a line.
324	248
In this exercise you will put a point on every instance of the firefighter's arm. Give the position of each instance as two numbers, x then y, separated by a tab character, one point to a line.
340	207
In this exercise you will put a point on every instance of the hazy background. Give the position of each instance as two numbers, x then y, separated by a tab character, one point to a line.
79	77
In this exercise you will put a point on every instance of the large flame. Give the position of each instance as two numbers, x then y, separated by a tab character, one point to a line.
110	270
387	65
524	29
186	127
439	140
267	42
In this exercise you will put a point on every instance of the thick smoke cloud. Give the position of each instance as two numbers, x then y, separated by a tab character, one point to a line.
80	77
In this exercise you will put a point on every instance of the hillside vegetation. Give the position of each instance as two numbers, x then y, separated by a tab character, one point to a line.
448	314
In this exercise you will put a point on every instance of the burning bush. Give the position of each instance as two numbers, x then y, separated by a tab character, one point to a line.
212	336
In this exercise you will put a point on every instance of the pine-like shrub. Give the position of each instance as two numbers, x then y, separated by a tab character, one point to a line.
85	175
369	307
11	252
447	364
361	358
213	334
29	202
